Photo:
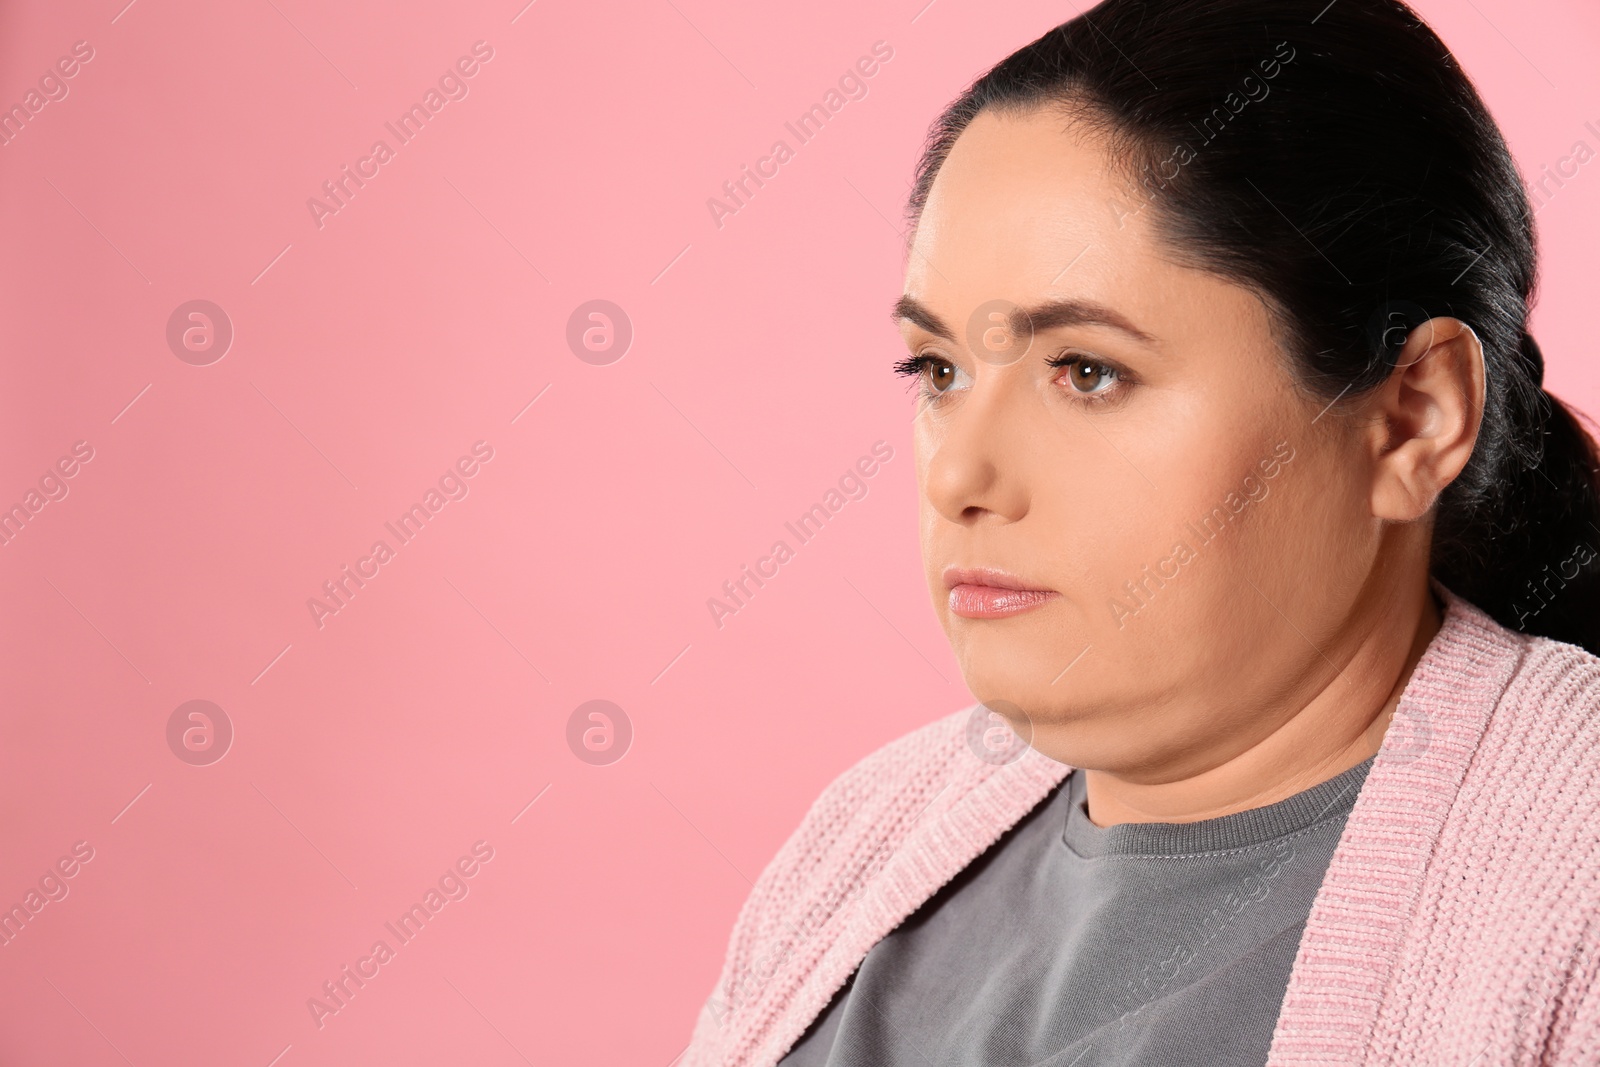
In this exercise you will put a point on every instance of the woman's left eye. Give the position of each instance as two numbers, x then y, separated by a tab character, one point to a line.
1088	378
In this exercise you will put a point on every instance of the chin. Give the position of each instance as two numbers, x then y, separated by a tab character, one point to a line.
1021	671
1024	692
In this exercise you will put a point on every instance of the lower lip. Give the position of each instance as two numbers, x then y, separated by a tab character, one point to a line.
990	602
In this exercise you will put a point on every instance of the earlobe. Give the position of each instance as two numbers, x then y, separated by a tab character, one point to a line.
1427	413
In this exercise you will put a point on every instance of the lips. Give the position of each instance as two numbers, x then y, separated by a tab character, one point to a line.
990	593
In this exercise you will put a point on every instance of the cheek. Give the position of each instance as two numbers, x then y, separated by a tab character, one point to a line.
1220	575
924	442
1100	522
1122	491
1318	525
929	542
1178	539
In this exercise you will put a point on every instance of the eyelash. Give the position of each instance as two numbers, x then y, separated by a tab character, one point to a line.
917	366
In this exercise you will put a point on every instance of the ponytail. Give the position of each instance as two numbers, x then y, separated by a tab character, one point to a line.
1525	546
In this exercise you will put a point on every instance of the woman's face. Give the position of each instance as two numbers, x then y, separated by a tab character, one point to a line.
1200	528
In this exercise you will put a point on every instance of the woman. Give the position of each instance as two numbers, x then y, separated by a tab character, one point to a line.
1273	566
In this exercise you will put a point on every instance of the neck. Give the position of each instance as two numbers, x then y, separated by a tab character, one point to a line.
1335	728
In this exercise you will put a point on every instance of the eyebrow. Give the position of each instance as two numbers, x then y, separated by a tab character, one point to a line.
1047	316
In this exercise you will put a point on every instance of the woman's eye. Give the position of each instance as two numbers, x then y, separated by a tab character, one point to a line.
1090	380
940	374
1087	376
1087	380
933	375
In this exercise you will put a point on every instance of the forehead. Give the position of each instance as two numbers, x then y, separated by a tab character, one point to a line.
1029	206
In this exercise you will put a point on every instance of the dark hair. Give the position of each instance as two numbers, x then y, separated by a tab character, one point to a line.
1335	159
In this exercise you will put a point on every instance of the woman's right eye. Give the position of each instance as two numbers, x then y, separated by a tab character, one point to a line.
934	374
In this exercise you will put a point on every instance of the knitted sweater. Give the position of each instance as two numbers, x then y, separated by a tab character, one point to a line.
1458	923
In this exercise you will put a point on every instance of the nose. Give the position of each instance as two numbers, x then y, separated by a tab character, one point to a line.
975	462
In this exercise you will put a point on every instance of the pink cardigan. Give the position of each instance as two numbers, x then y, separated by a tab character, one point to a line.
1458	923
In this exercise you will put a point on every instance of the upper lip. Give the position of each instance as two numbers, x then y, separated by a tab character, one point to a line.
990	576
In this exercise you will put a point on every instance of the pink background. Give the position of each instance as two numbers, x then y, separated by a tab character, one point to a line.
371	752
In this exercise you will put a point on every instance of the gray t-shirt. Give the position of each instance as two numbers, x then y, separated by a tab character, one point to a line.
1071	945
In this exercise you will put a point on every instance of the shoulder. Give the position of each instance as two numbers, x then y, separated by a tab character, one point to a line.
868	810
876	779
1545	729
1543	745
857	825
838	825
1527	850
1541	696
1558	684
862	803
1528	800
1505	755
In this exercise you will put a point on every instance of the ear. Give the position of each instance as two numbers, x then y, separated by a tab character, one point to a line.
1425	418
